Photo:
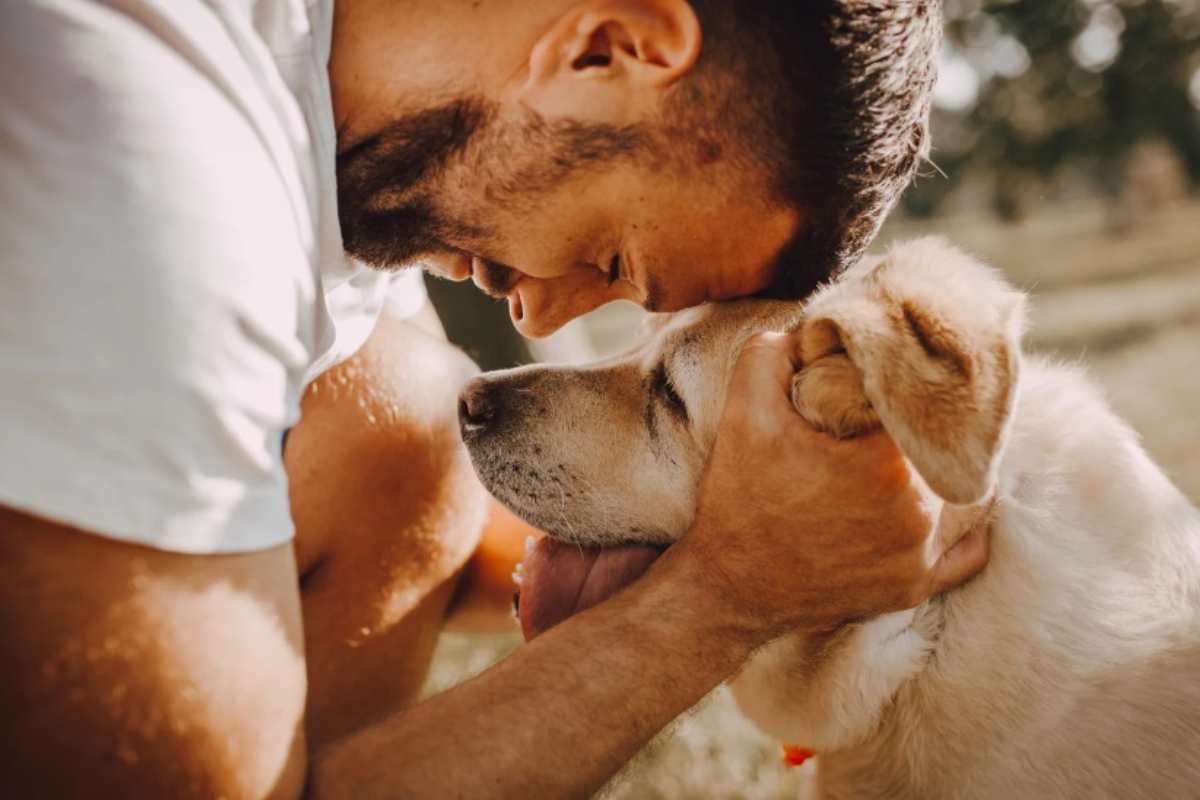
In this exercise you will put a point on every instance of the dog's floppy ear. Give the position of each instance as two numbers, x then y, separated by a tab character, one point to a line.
935	338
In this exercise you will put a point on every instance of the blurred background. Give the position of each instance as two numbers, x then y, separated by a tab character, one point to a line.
1066	152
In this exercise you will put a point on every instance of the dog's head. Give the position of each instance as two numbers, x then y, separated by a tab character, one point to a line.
612	452
923	341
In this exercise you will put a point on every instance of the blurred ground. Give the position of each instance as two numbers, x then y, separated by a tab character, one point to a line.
1126	304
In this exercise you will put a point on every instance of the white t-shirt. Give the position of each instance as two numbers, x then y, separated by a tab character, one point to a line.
171	268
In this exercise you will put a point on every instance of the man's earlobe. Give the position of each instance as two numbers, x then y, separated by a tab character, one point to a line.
651	44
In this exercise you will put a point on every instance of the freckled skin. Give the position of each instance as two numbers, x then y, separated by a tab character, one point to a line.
387	512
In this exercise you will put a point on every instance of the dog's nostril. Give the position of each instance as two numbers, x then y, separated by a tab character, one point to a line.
476	406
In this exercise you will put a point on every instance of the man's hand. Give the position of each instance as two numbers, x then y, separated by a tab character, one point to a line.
801	530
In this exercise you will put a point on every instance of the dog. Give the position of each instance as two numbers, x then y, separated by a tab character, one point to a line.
1069	668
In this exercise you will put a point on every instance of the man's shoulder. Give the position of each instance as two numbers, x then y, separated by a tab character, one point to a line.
141	206
123	128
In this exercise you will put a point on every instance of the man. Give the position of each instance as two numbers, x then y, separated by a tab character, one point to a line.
174	277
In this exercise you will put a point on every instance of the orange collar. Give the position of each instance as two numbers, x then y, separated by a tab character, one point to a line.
794	755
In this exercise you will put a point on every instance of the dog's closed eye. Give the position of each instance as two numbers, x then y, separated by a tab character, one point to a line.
664	389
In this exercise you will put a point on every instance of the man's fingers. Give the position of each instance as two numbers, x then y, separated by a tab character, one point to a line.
962	561
957	521
774	353
768	360
962	541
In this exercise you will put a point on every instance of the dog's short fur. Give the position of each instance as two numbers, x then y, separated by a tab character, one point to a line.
1070	668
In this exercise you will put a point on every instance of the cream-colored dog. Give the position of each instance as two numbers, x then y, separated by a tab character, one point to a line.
1070	668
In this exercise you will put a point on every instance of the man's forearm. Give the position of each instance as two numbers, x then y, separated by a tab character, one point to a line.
558	717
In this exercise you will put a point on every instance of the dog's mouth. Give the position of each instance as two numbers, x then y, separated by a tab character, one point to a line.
559	579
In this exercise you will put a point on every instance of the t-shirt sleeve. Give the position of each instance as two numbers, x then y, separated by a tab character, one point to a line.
152	287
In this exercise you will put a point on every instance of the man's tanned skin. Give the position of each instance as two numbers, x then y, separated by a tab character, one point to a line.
288	672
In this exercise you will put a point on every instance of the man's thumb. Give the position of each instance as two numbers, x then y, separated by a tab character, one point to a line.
768	360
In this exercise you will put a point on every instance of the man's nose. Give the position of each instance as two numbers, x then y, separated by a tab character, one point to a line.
547	305
478	407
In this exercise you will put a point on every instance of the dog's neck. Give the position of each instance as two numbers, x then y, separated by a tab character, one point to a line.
834	692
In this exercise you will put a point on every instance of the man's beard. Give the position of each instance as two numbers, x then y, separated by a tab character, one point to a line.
386	184
391	185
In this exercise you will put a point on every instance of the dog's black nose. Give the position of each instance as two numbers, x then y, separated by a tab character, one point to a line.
477	407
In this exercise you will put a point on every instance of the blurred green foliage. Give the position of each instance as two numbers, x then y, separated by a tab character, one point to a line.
1052	91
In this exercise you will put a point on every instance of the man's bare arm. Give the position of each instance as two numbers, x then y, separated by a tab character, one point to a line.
562	714
163	674
131	672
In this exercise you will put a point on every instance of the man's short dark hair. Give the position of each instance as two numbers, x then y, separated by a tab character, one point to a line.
827	100
830	100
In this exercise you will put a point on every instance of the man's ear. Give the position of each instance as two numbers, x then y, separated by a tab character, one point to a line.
611	59
936	338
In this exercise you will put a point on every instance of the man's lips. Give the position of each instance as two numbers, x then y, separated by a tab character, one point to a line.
498	281
559	579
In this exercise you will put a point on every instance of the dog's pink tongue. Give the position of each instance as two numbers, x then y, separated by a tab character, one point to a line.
559	579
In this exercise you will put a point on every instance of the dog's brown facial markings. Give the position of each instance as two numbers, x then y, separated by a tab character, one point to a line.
936	339
661	393
612	452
